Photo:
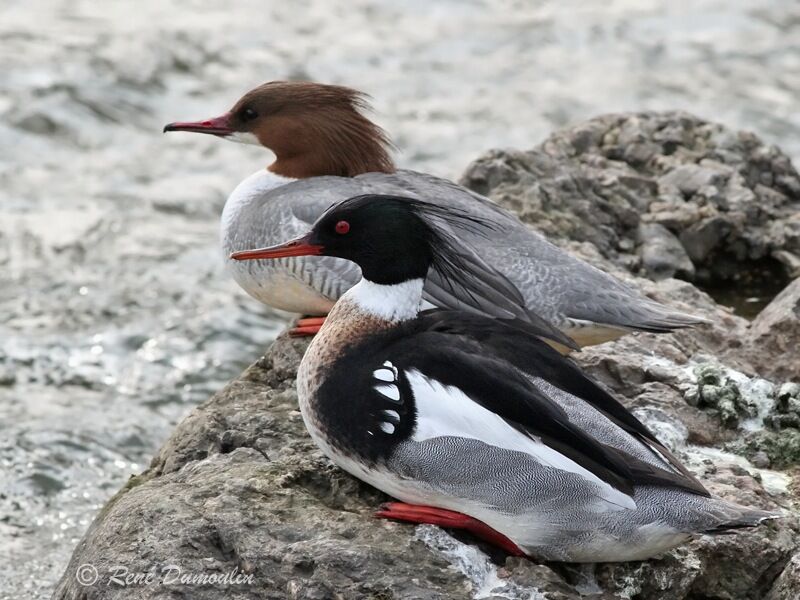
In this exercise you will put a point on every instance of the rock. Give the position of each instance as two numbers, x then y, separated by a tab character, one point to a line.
713	571
787	586
662	253
704	237
788	397
264	502
760	460
775	335
786	412
791	262
730	199
716	390
781	448
691	178
240	491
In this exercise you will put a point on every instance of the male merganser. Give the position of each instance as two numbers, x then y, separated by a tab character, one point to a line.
326	151
471	421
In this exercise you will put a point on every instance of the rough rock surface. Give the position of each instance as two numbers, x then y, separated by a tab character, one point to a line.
731	203
239	485
775	333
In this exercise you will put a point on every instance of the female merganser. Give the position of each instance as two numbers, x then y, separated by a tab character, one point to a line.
321	138
471	421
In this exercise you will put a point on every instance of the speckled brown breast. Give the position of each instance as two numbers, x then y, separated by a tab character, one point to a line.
345	326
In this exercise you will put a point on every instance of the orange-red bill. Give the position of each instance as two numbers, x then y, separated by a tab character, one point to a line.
296	247
216	126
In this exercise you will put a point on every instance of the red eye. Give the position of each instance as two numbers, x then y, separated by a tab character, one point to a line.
342	227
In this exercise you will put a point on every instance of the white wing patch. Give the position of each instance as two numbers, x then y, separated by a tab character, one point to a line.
387	376
391	391
388	364
384	374
448	411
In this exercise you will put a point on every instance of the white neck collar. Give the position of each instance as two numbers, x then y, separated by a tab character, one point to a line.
398	302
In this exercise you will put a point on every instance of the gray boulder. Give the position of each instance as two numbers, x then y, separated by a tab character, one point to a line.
662	254
775	333
239	490
731	200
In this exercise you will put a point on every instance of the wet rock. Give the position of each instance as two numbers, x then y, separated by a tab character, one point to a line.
781	448
788	397
704	237
691	178
264	502
775	335
711	571
760	460
662	253
786	412
791	262
240	488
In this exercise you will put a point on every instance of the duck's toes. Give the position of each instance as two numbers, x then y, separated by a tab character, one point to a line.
307	326
412	513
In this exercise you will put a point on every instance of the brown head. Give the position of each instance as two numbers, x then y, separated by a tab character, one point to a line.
313	129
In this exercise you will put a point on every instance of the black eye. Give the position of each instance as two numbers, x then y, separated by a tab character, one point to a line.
247	114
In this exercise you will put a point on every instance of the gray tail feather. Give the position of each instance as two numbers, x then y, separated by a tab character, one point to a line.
662	320
746	517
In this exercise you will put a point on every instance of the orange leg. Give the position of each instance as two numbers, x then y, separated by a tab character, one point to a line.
307	326
412	513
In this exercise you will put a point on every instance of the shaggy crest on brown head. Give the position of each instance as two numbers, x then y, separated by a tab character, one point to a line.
314	129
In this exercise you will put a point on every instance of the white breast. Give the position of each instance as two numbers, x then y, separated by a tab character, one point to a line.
270	282
249	190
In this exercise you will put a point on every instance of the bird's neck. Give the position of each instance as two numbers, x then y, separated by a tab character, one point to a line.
365	309
390	303
368	308
342	143
251	190
320	162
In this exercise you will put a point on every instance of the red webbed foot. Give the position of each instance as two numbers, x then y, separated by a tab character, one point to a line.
307	326
412	513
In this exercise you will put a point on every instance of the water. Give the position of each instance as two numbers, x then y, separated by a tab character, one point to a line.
115	317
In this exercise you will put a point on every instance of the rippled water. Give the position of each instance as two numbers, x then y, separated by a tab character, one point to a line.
115	317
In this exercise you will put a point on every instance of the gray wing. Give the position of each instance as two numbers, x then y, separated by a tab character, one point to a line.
508	481
291	210
556	285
